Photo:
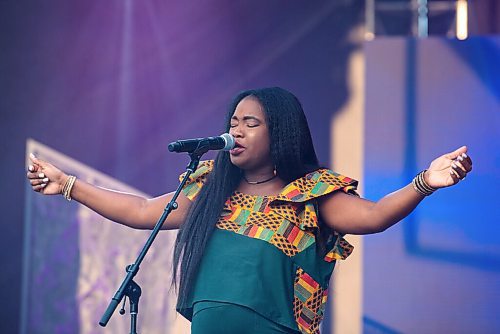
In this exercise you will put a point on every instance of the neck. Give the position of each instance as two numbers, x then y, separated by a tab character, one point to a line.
270	187
260	176
259	182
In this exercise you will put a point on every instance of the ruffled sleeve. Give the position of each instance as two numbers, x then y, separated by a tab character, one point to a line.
316	184
296	204
197	179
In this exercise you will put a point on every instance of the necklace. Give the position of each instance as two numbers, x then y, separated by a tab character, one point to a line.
259	182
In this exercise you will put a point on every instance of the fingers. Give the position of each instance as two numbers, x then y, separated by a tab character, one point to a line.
38	184
35	163
37	179
454	177
33	168
458	170
33	158
460	167
32	176
39	188
44	177
455	154
464	162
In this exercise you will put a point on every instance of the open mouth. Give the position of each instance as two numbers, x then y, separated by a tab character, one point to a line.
238	148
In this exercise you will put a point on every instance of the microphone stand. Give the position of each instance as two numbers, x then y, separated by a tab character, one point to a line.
130	288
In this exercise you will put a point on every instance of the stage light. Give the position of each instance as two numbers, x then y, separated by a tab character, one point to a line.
462	20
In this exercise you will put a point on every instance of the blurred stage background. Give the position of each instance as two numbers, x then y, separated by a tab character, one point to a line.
107	85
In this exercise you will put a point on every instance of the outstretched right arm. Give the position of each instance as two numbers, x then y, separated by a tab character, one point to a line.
124	208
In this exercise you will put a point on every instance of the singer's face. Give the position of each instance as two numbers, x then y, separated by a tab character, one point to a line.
250	130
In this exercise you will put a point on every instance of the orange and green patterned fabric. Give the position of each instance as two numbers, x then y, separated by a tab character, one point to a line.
263	254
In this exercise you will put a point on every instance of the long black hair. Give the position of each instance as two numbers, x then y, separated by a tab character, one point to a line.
292	153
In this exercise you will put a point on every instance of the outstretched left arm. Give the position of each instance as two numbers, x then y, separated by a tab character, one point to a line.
353	215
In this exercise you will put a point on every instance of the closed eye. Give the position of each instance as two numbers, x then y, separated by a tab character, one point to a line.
249	123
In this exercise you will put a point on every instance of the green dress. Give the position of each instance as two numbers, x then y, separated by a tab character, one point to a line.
263	258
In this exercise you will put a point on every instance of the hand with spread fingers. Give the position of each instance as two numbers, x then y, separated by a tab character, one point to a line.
448	169
44	177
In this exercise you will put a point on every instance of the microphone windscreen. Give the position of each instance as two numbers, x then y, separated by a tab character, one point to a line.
229	140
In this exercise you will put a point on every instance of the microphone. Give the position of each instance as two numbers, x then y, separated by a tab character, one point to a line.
223	142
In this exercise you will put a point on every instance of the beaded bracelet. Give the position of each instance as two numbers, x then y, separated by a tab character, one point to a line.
68	186
421	186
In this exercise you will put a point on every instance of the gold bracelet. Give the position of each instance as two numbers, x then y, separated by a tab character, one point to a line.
421	186
65	187
68	186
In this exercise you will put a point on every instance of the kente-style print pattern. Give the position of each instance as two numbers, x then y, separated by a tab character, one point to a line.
196	179
340	251
308	303
315	184
256	219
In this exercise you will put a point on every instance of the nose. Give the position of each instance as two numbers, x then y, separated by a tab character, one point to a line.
236	132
